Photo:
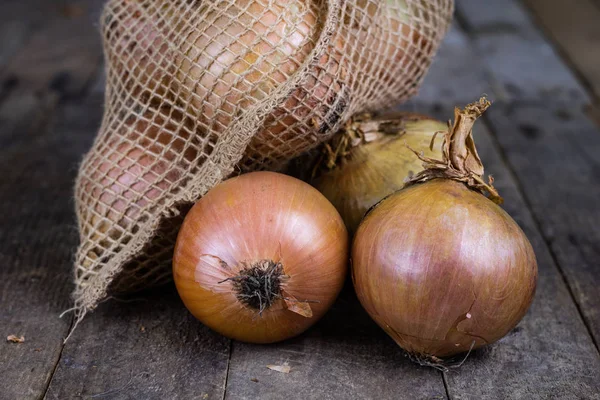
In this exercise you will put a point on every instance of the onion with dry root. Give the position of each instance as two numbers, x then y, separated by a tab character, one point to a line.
370	159
261	257
440	267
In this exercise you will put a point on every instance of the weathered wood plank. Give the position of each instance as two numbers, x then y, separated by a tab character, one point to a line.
550	145
574	27
38	159
24	116
523	64
554	152
147	349
449	81
344	356
37	237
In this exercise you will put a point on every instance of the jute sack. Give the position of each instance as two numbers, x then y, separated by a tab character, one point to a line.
198	90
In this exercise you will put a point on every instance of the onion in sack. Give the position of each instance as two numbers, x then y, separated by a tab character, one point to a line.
261	257
139	55
438	265
131	171
370	159
397	37
237	54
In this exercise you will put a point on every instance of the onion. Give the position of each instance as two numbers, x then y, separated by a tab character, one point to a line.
261	257
440	267
396	38
139	54
236	54
370	160
141	160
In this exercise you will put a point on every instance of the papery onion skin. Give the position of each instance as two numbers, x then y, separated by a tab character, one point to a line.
373	170
442	269
254	217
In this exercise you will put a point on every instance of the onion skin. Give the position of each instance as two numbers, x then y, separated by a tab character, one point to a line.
442	269
254	217
373	170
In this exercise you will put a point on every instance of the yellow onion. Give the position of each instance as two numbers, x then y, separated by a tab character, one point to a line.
370	160
438	265
261	257
138	48
131	170
395	23
237	54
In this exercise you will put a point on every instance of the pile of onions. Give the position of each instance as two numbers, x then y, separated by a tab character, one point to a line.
371	159
261	257
438	265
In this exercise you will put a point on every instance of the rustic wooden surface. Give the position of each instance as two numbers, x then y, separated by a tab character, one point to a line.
536	140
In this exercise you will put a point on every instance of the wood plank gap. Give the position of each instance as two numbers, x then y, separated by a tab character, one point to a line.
60	353
515	177
227	370
445	380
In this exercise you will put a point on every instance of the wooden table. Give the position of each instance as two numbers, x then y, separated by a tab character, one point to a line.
537	140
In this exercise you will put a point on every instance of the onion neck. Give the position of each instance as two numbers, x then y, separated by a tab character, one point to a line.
360	130
460	161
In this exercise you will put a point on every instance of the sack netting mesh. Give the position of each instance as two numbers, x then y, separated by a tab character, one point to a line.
199	90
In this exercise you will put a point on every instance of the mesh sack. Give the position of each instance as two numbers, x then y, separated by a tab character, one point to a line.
198	90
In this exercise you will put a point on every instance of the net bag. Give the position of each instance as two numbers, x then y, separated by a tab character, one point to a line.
199	90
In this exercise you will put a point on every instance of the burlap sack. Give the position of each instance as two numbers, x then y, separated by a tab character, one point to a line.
197	90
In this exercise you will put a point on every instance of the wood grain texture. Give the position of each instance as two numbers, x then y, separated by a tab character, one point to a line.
149	347
521	63
37	237
18	21
448	81
554	152
345	356
552	148
60	57
574	27
40	147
